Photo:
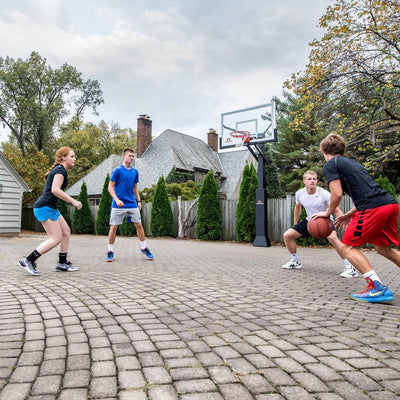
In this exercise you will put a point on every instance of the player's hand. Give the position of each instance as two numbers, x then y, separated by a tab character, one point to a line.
120	203
321	214
342	221
77	204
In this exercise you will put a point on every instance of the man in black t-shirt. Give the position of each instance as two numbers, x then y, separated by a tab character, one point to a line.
373	219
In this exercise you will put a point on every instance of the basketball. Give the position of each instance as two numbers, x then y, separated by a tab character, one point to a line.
320	228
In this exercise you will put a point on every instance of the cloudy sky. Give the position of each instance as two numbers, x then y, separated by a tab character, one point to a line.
182	62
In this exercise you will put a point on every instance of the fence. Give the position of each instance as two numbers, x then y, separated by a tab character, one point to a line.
279	217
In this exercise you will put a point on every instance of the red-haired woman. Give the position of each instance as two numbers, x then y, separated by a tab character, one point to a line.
45	210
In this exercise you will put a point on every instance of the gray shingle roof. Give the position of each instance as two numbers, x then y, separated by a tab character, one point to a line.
171	149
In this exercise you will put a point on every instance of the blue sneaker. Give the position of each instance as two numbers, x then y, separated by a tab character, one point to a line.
374	293
147	253
28	266
110	256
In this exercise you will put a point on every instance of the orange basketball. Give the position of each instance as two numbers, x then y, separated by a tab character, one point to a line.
320	228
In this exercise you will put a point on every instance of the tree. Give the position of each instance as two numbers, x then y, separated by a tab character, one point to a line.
243	192
209	216
273	186
162	218
32	167
246	209
92	144
103	213
82	220
34	98
354	71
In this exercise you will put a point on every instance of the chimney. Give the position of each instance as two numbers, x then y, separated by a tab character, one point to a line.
212	139
143	134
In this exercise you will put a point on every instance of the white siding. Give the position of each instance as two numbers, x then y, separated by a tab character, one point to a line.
10	202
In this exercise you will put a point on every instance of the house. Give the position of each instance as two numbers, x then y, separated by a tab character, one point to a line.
168	150
12	188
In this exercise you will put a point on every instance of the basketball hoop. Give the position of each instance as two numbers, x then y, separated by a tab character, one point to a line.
239	138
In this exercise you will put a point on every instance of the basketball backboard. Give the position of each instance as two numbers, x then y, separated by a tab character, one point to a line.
259	121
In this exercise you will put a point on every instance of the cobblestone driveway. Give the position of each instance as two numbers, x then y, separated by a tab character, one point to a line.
203	321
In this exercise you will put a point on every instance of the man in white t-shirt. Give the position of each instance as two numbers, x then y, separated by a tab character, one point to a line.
314	199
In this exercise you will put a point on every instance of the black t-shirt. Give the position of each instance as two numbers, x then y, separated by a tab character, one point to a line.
357	182
47	198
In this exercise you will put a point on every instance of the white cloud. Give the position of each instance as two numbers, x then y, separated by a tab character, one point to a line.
183	62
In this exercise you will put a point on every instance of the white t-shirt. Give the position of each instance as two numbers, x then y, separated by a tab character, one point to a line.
313	203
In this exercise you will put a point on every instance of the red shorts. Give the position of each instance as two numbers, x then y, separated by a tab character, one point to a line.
377	226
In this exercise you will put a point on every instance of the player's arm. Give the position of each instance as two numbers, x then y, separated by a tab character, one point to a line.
137	195
58	192
296	213
111	190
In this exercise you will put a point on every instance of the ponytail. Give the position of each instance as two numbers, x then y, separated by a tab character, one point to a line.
60	153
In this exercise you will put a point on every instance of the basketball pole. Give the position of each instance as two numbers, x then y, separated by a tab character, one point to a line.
261	239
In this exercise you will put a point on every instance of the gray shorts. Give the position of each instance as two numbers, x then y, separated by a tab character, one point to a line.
118	214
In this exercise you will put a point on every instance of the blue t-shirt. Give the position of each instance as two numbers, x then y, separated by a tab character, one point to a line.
124	180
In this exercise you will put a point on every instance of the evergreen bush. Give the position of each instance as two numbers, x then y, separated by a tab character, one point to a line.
249	211
103	213
162	218
63	208
209	215
82	220
385	184
244	190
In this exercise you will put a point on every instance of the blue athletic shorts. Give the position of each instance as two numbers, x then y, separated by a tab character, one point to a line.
45	213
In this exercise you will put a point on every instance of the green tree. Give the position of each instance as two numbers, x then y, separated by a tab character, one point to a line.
103	213
243	192
162	218
82	220
246	210
273	186
353	75
34	98
32	168
63	208
209	215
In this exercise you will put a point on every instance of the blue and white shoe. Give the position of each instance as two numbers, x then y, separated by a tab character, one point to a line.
110	256
28	266
147	253
374	293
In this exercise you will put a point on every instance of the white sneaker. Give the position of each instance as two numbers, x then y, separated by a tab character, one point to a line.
349	272
292	265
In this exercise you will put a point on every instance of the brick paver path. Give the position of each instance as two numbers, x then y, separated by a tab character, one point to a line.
203	321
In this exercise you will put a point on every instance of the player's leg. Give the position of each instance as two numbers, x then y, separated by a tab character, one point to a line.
63	264
289	237
349	270
389	253
134	216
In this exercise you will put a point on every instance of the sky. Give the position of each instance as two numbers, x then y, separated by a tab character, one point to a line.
182	62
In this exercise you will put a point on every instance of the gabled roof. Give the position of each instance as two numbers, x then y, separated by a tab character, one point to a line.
95	178
14	174
173	148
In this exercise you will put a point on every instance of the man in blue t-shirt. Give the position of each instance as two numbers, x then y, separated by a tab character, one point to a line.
126	203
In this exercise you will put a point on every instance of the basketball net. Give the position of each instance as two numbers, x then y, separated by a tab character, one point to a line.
239	138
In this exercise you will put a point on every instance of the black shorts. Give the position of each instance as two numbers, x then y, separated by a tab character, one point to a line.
301	227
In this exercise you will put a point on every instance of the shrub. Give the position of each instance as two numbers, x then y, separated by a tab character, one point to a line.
162	218
209	216
103	213
82	221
